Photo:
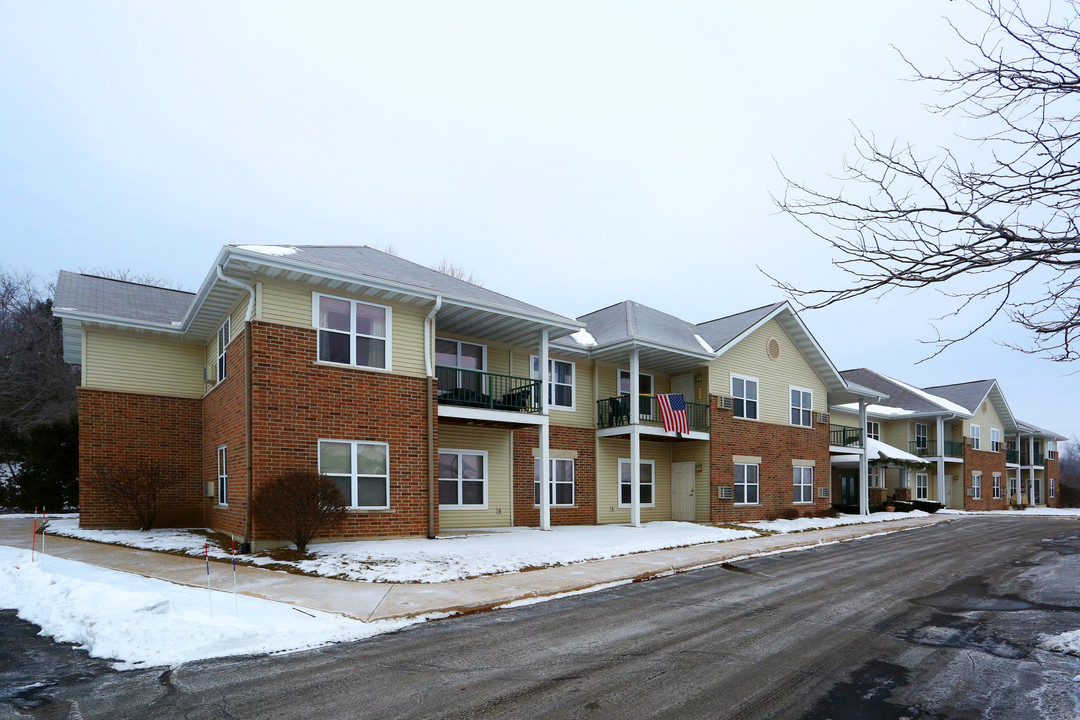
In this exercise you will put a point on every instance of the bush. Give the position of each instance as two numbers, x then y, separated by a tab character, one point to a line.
927	506
1068	496
137	488
298	505
39	468
902	505
841	508
789	514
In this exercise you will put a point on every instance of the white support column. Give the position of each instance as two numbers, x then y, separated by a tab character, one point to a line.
545	462
864	470
1031	469
940	430
635	441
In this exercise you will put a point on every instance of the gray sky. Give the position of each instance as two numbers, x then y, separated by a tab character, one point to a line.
572	155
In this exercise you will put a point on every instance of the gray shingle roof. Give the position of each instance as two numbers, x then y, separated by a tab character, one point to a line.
119	299
899	396
967	395
721	331
630	320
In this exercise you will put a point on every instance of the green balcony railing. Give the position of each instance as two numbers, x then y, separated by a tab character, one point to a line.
1025	459
1012	456
615	412
490	391
929	448
845	436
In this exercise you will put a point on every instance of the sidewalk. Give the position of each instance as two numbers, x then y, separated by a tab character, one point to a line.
379	601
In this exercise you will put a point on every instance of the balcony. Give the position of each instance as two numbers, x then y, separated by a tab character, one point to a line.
844	436
487	391
615	412
929	448
1025	460
1012	457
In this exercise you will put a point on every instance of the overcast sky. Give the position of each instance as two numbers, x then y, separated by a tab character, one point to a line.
572	155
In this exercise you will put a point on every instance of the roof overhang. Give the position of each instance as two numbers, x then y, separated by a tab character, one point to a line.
651	354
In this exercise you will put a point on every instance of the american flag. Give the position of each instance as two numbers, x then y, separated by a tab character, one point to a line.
673	409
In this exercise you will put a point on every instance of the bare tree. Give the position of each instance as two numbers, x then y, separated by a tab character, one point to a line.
455	270
137	488
997	233
298	505
126	275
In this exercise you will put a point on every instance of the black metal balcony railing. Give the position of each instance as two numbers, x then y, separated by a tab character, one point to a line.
490	391
844	436
1012	456
929	448
615	412
1025	459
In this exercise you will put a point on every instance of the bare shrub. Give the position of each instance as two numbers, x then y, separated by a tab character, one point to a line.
789	514
1068	496
137	487
298	505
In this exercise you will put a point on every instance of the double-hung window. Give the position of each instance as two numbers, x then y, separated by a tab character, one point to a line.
875	477
804	484
995	440
1012	487
645	390
562	482
920	436
922	486
222	477
561	374
997	486
802	407
746	484
645	483
463	479
976	485
352	332
976	434
465	357
873	429
360	469
224	334
1050	487
744	392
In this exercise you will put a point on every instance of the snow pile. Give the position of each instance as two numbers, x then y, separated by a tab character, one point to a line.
1067	642
801	524
139	621
1047	511
584	338
276	250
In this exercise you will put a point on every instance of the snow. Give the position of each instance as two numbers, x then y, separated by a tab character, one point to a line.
875	410
584	338
1049	511
1066	642
702	343
877	450
419	560
801	524
276	250
139	621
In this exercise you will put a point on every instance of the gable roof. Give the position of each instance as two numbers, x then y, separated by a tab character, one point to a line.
120	299
722	331
903	399
968	395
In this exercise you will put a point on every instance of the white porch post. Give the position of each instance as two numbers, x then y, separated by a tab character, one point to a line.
1019	472
635	442
545	463
864	474
940	430
1031	469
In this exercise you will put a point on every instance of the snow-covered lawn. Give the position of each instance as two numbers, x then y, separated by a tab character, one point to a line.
139	621
1062	512
800	524
446	558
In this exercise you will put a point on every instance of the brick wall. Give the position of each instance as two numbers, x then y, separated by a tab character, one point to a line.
777	445
1052	471
988	463
116	428
224	420
583	440
296	402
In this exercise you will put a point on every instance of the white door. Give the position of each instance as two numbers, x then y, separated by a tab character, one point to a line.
682	492
683	385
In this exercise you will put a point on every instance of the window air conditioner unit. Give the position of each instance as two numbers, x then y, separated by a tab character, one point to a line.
823	418
725	403
727	492
209	488
823	492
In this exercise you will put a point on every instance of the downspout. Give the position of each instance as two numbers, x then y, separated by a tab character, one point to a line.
432	497
247	395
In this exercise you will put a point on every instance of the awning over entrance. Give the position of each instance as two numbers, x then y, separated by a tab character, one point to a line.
877	450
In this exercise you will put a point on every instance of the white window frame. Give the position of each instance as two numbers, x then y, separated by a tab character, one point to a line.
997	486
875	477
745	399
976	436
457	359
1014	486
1050	488
922	486
552	475
995	439
805	412
534	373
924	438
976	485
459	505
222	475
652	485
800	474
746	484
354	476
388	338
224	335
619	377
873	429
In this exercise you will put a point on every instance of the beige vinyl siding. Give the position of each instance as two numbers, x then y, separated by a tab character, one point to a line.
291	304
900	433
985	419
584	413
496	442
143	363
696	452
775	377
839	417
608	452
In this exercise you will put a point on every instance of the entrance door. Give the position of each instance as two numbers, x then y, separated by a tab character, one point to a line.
682	492
683	385
849	489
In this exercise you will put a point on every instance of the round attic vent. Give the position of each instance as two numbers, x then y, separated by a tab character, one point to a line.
772	347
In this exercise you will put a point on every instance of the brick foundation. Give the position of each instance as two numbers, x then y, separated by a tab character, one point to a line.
117	428
583	440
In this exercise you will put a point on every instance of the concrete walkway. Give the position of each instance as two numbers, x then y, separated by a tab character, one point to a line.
377	601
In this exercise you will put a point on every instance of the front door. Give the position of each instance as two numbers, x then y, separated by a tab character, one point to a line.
682	492
849	489
683	385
